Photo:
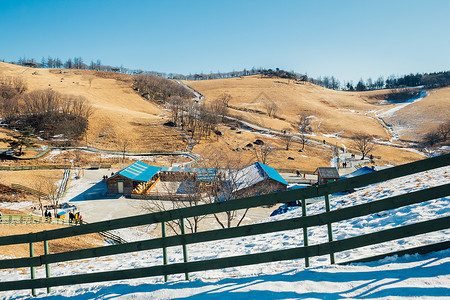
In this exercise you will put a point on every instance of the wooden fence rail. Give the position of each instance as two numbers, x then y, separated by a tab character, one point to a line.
306	251
247	230
30	219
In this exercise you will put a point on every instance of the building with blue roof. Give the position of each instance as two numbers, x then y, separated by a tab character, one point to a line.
255	179
127	179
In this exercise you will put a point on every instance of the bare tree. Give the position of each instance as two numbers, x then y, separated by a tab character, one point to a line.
303	123
303	127
176	104
123	145
221	185
363	143
437	135
431	138
444	130
39	186
263	153
271	108
225	98
90	79
219	108
46	192
287	138
168	198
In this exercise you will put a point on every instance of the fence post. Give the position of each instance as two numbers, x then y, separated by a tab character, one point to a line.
47	266
33	291
305	232
330	229
185	256
163	228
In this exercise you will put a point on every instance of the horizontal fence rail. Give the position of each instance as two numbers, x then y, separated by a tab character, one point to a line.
247	230
235	261
306	251
29	219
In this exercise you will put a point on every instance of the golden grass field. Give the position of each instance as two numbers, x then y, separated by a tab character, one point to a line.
119	113
55	246
331	109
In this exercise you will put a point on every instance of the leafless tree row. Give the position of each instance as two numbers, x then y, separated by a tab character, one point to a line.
199	119
159	88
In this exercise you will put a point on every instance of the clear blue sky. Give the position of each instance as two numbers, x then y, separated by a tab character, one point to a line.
347	39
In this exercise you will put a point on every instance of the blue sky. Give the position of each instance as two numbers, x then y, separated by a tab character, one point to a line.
347	39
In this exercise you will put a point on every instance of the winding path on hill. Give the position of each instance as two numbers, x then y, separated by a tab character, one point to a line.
198	97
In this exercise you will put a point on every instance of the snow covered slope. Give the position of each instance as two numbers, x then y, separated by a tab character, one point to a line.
422	276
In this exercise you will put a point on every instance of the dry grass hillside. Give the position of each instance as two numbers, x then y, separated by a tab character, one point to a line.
336	116
418	118
332	113
119	113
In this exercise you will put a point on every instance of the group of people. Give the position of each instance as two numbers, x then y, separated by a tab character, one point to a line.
75	217
106	176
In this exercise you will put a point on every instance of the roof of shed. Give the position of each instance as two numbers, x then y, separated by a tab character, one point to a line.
139	171
330	172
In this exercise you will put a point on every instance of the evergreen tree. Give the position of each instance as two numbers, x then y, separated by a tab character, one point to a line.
361	86
21	140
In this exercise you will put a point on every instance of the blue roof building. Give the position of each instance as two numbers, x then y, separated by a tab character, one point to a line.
254	179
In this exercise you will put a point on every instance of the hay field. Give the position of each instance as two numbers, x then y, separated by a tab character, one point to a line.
119	113
29	178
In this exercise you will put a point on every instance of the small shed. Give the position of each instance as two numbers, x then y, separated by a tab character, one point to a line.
325	175
124	181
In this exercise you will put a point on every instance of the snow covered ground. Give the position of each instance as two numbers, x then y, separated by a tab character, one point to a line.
395	127
423	276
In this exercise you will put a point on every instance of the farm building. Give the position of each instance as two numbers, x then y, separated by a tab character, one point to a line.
127	179
325	175
257	179
140	180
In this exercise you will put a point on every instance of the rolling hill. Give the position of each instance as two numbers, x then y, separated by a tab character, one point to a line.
336	116
119	113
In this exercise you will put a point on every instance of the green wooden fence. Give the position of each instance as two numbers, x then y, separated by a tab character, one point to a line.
29	219
304	251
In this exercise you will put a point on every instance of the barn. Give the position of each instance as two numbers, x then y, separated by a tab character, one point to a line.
257	179
143	181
